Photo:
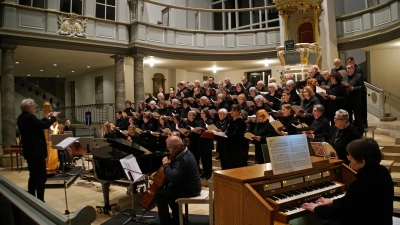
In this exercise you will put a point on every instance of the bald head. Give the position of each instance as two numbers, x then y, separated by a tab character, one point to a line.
173	142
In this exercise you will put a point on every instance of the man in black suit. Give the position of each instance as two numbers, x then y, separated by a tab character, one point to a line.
338	66
211	83
34	145
246	84
69	127
359	70
120	124
353	99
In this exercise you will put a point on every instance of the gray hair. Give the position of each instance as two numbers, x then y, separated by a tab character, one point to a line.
320	108
160	94
224	111
290	82
261	82
221	96
259	98
273	85
190	84
205	82
175	101
204	98
252	89
192	112
343	114
152	103
289	76
244	114
272	80
26	103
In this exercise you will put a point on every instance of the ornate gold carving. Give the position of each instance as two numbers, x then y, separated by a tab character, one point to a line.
281	58
71	26
302	6
304	49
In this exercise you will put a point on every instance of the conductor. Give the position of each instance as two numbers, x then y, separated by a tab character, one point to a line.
34	145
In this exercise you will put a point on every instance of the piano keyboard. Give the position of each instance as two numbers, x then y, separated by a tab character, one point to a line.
304	192
297	208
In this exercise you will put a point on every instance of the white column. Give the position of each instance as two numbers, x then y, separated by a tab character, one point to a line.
328	38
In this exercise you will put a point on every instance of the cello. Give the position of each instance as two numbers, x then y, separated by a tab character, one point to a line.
160	180
52	154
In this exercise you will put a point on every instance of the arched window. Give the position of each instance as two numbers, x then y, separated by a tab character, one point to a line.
305	33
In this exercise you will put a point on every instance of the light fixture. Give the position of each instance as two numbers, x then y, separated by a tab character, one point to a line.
41	70
266	63
16	62
150	60
151	64
54	64
73	71
29	75
88	67
58	76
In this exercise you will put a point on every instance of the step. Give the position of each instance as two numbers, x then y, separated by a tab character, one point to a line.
395	177
396	207
396	167
396	191
393	133
388	118
391	149
387	114
391	156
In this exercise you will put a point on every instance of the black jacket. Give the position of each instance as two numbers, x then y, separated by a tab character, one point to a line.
288	122
308	106
339	139
338	90
321	128
34	144
368	200
354	97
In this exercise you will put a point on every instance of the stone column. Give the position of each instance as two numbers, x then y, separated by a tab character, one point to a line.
138	79
119	82
327	26
7	96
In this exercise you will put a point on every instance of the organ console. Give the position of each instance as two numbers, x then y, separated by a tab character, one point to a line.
247	196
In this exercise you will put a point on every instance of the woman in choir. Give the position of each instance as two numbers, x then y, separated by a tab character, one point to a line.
342	134
162	110
149	97
313	83
221	124
307	104
193	136
234	154
288	120
221	103
252	94
147	125
206	145
175	107
152	107
161	139
211	97
273	96
107	131
320	125
336	95
132	136
369	198
243	104
196	94
178	123
186	108
131	120
141	107
240	89
259	99
285	98
262	130
160	96
203	103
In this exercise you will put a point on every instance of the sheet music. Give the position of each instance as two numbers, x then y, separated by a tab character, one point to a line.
221	134
65	143
131	168
289	153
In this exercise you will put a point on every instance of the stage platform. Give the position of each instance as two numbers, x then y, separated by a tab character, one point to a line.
58	179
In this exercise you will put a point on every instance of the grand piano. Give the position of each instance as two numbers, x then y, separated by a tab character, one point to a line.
107	167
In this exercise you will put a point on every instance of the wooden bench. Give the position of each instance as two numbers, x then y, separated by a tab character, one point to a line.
20	207
17	156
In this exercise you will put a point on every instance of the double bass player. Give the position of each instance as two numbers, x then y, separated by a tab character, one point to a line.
34	145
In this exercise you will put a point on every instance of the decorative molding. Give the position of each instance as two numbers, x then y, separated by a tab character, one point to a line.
71	26
300	22
133	10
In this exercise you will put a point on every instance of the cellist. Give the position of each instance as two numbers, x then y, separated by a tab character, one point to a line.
184	181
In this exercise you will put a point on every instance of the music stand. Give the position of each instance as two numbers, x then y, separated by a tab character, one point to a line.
89	143
63	145
133	176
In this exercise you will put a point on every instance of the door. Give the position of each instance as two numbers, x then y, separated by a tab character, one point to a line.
305	33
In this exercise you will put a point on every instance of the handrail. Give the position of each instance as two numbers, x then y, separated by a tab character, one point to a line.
368	85
364	11
391	94
100	113
207	10
208	31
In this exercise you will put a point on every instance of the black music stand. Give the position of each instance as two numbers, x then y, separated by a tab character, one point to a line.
131	177
89	143
63	145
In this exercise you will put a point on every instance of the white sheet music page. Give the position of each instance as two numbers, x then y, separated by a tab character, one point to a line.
65	143
131	167
289	153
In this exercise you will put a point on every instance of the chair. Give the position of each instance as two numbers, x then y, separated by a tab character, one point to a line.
206	197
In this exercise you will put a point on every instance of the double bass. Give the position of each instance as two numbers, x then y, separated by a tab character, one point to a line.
160	180
52	154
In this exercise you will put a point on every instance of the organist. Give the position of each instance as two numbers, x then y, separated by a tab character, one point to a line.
369	199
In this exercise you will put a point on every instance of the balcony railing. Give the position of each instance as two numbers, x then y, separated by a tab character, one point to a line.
100	113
